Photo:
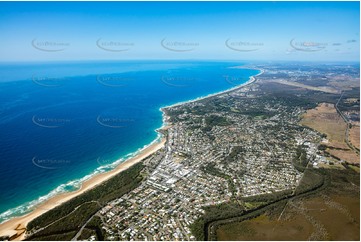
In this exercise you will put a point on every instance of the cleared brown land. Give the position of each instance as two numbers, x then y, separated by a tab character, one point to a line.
317	218
265	228
339	82
297	84
330	214
325	119
355	136
334	218
347	155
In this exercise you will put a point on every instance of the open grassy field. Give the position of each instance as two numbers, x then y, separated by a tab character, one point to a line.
328	89
326	120
338	82
347	155
355	136
266	228
298	221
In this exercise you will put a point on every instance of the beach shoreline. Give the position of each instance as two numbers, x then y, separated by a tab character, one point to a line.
250	81
17	224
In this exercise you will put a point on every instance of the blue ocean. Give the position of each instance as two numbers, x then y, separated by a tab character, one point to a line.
63	122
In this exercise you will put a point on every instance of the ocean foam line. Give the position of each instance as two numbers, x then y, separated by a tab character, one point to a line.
71	185
30	206
76	184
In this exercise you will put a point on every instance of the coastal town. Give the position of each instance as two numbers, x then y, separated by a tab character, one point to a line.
237	144
180	120
249	142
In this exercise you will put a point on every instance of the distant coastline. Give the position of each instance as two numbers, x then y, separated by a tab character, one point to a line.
19	223
251	80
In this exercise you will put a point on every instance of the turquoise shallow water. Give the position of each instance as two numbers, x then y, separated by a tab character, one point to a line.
61	123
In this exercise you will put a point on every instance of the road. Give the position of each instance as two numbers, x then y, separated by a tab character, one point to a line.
348	124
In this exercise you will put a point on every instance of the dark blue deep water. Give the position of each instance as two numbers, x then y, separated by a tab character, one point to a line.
60	123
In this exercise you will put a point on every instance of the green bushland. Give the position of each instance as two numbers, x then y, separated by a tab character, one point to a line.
267	198
233	155
72	222
86	233
95	224
210	169
312	179
214	120
300	160
213	213
63	236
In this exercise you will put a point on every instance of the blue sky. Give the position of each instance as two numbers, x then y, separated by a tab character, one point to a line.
304	31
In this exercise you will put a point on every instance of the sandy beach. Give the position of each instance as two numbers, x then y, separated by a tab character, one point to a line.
18	225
